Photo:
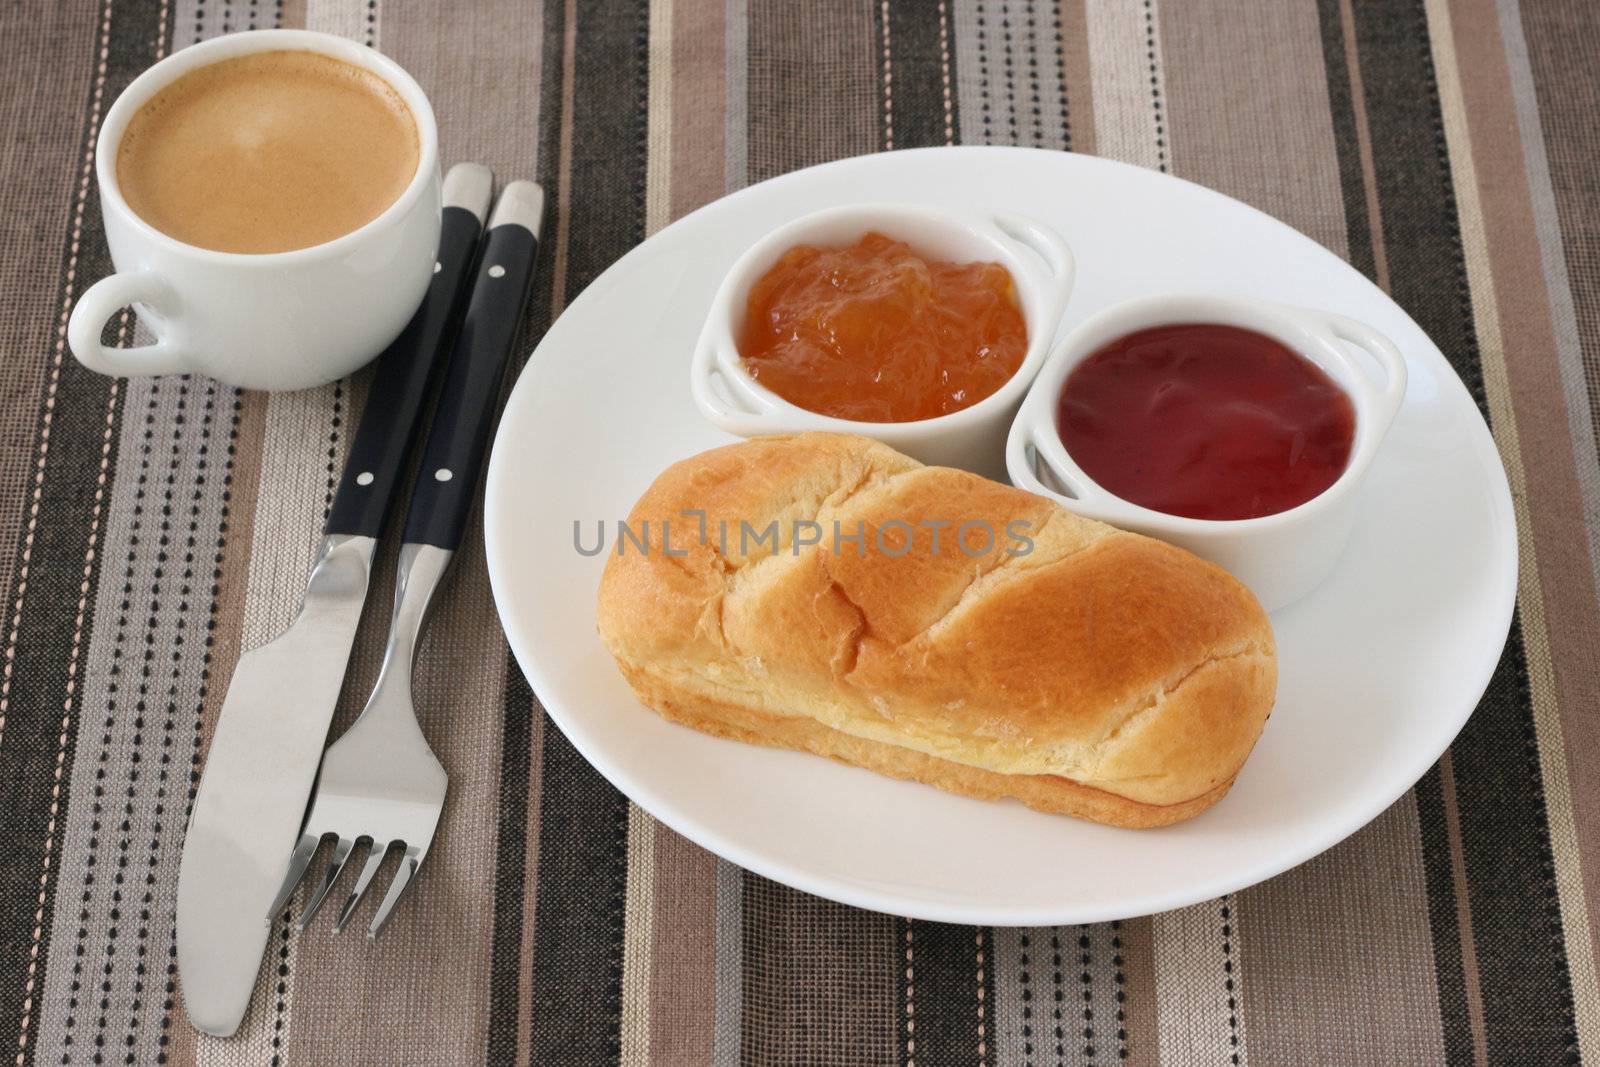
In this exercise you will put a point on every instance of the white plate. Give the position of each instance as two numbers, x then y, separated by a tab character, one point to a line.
1379	668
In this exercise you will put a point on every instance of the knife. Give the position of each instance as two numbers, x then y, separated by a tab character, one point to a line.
274	720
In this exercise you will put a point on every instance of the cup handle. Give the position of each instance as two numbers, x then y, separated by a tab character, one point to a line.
1387	394
105	298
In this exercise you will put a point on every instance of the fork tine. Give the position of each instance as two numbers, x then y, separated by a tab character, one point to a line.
341	853
375	853
304	849
402	878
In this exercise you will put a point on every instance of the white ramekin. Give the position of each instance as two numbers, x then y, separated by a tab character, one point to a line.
1281	557
973	438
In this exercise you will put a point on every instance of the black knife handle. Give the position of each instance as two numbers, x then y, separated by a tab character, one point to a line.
459	437
400	385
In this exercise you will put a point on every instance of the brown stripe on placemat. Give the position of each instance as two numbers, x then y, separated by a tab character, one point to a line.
1340	955
1348	107
1265	137
683	993
583	833
1562	39
820	981
699	121
1076	80
1560	612
669	967
813	88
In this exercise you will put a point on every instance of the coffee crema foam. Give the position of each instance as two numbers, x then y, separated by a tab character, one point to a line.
268	152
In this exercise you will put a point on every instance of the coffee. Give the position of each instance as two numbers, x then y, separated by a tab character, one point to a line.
268	152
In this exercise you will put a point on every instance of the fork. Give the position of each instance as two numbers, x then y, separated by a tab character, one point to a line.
380	785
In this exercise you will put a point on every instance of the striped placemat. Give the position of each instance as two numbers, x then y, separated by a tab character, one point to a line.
150	529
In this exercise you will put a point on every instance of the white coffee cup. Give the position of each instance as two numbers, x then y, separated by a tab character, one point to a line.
282	320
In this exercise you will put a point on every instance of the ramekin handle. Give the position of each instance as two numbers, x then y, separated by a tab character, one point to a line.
1036	453
721	407
104	299
1387	394
1044	242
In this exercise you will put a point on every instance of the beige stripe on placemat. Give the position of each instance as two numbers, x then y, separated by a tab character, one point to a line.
736	64
1340	954
1198	981
1545	606
1129	98
658	120
727	1034
347	18
1262	132
637	946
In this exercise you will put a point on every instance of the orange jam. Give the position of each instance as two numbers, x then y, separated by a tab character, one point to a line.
876	333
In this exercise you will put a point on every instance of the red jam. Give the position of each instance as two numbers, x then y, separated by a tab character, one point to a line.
877	333
1207	422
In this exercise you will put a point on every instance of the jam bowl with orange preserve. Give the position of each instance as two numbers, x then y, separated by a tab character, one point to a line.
918	325
1238	429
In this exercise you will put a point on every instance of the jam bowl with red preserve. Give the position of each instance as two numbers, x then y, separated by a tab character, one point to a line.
919	325
1238	429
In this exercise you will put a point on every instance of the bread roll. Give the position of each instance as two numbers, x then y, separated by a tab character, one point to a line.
1100	674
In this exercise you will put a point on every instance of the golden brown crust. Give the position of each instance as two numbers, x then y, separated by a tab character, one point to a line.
1042	792
1099	665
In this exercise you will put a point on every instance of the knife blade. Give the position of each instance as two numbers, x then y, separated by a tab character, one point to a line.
274	720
